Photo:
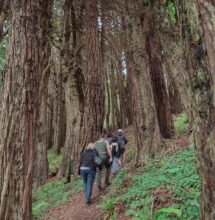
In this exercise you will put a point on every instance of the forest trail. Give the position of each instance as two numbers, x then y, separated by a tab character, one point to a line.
76	209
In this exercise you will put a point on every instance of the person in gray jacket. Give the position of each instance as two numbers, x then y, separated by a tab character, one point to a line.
122	140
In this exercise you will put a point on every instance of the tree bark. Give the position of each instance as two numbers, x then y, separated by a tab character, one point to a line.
73	85
94	94
20	108
41	169
172	38
153	47
144	112
4	8
203	80
59	106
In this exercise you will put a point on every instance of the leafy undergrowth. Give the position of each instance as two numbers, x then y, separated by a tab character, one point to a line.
54	162
181	123
167	188
52	195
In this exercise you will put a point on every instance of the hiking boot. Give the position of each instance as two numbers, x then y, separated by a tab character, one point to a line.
99	188
114	175
88	203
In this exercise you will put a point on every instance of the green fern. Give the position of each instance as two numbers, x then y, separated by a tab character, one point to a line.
108	205
166	212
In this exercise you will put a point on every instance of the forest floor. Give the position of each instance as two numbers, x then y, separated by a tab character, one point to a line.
76	209
164	182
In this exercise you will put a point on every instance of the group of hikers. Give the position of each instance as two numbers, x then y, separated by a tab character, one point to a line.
110	150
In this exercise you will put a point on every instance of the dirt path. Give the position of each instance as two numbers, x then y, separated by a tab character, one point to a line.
76	209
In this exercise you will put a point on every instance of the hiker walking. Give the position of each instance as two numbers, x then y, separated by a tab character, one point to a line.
109	137
122	140
116	153
104	150
87	169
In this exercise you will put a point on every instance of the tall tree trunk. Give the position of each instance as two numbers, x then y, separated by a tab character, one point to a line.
114	99
94	94
20	108
73	85
59	107
122	95
172	38
157	76
108	100
144	111
203	89
41	169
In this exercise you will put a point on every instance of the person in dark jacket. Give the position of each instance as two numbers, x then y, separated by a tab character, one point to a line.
87	169
116	153
122	140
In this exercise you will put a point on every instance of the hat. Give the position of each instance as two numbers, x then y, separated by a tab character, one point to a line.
120	130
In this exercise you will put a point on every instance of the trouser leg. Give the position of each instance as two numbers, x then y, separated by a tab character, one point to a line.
90	180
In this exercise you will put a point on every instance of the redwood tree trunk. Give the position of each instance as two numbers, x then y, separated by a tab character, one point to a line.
41	168
144	112
153	46
204	109
59	107
20	108
4	8
94	94
73	85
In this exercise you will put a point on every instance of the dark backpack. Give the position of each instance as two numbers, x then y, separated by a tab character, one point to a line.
115	149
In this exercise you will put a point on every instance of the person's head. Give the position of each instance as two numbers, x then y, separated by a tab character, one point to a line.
90	146
109	135
102	135
120	131
114	138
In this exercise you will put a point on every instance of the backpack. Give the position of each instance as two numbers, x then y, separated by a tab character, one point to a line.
115	149
123	141
101	147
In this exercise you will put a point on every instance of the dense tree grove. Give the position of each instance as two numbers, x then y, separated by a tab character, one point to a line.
75	68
